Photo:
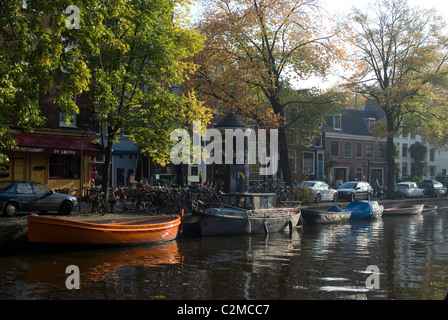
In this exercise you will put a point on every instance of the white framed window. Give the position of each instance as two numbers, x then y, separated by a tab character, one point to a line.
308	163
69	122
337	122
347	149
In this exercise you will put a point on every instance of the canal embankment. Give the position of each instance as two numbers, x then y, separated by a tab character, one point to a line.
14	230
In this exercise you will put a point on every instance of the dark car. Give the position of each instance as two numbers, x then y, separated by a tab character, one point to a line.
433	188
31	196
355	190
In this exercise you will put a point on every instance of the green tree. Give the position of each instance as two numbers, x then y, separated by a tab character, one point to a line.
136	53
252	46
419	152
32	54
402	56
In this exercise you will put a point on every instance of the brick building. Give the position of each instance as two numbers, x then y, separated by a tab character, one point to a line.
351	150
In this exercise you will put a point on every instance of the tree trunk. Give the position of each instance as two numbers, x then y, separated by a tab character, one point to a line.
284	155
390	156
282	143
390	168
107	173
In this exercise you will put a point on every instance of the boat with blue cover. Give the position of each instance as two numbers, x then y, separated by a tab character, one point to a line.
364	210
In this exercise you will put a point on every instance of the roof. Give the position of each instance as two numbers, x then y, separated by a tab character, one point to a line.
355	122
231	120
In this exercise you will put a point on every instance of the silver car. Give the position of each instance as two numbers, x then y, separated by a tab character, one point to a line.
408	189
31	196
321	191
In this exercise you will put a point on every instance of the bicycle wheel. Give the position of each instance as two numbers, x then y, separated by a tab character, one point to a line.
150	208
119	206
102	208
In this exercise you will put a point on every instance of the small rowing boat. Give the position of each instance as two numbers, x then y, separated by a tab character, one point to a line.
54	230
334	214
404	210
430	207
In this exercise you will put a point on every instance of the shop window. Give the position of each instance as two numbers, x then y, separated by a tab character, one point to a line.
64	167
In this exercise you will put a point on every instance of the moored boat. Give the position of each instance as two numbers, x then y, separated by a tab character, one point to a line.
334	214
404	210
430	207
54	230
243	213
364	210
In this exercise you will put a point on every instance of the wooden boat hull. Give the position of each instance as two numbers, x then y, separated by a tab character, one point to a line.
54	230
311	217
404	210
270	221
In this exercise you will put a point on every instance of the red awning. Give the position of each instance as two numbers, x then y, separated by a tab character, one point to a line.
60	145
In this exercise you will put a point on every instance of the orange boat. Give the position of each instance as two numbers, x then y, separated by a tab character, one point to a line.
55	230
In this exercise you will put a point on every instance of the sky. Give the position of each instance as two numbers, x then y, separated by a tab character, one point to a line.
346	5
343	7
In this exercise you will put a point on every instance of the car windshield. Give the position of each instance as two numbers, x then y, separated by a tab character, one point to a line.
402	186
306	184
348	185
4	185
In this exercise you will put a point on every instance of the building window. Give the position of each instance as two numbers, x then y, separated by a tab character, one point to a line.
318	141
404	150
369	150
68	123
347	149
432	155
404	169
359	174
308	163
64	167
337	122
194	170
359	150
334	149
255	168
381	151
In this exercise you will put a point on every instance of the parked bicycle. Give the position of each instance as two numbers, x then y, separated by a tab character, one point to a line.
97	203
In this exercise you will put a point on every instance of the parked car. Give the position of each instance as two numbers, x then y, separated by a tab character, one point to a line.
321	191
31	196
355	190
408	189
433	188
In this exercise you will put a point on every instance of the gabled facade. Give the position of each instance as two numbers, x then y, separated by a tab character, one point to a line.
352	151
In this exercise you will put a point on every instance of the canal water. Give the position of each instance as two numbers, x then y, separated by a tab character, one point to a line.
393	258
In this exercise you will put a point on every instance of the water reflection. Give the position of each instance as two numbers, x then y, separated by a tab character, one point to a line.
315	262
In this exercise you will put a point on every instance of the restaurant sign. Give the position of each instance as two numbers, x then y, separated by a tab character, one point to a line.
64	152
